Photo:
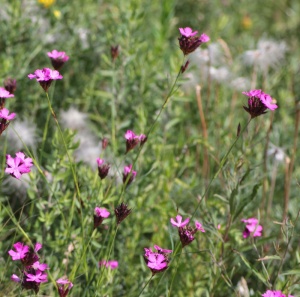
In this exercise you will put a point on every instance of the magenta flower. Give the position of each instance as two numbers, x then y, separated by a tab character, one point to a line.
20	253
143	138
64	286
128	172
15	278
122	211
258	103
270	293
38	277
37	246
40	266
179	222
187	32
189	42
58	59
45	77
103	169
4	114
252	228
5	94
199	226
131	140
100	214
18	165
157	261
112	264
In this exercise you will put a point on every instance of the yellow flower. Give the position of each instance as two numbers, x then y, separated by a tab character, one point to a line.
47	3
57	14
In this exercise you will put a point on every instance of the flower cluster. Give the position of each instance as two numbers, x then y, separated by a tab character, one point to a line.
157	261
258	103
132	140
58	59
270	293
186	233
45	77
4	113
189	42
122	212
100	214
112	264
33	272
63	286
252	228
18	165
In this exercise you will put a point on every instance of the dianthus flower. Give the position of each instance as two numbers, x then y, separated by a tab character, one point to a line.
18	165
38	276
112	264
157	261
186	233
258	103
252	228
270	293
58	59
100	214
6	117
20	251
64	286
103	169
128	172
132	140
122	212
45	77
3	95
189	42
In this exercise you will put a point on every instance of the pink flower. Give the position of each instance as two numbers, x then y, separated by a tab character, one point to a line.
131	140
189	42
4	114
38	245
179	222
199	226
258	103
157	261
64	286
112	264
38	277
40	266
20	253
58	59
5	94
278	293
100	214
18	165
45	77
128	171
15	278
103	169
252	228
187	32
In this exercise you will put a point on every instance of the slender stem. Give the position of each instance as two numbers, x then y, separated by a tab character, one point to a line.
174	274
222	163
113	110
147	283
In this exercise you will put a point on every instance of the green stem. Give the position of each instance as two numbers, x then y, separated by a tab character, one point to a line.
147	283
174	274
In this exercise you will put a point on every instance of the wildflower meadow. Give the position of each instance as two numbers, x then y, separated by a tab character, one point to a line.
149	148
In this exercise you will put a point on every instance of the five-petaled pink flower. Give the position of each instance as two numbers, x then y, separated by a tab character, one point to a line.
58	59
18	165
5	94
21	251
157	261
40	266
189	42
38	277
258	103
64	286
178	223
252	228
45	76
4	114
